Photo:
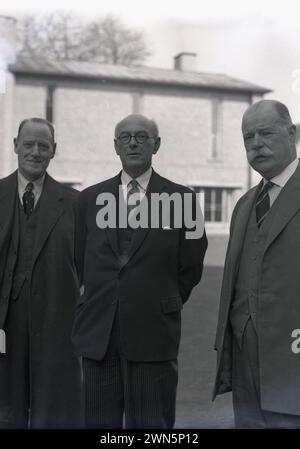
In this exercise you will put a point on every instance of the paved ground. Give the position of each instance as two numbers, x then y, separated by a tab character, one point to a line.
215	254
197	359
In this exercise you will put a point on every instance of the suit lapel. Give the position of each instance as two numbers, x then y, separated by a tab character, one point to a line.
51	208
156	185
112	233
287	204
241	222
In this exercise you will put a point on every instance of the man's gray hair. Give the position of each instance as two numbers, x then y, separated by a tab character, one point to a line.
283	113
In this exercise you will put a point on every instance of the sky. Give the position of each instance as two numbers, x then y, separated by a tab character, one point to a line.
257	41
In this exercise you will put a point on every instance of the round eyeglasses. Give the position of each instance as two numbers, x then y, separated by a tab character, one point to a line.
140	137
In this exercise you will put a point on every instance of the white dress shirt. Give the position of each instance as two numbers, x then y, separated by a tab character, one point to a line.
280	180
142	180
37	187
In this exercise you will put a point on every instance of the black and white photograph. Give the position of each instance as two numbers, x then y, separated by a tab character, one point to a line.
149	217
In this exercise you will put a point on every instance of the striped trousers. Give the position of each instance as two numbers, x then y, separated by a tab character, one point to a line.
118	391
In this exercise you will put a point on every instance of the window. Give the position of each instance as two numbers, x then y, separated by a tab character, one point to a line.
217	202
213	204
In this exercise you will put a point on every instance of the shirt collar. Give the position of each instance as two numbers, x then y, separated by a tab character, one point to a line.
143	179
283	177
38	183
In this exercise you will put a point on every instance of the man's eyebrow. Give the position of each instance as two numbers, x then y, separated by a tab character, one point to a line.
259	128
263	128
36	140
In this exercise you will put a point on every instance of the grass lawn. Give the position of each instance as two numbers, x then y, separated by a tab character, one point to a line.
197	359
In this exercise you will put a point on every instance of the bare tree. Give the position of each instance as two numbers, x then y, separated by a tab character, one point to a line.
108	40
61	35
54	36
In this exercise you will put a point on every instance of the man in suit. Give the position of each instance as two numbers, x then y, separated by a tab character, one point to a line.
260	307
39	375
134	284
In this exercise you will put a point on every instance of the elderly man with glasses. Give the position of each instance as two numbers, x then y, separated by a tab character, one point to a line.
134	282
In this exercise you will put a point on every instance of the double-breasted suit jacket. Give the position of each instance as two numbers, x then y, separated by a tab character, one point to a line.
148	291
278	311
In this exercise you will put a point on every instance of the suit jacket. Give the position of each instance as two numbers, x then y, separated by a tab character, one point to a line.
54	290
278	311
150	288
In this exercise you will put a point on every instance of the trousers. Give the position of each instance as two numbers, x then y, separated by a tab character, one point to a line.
119	392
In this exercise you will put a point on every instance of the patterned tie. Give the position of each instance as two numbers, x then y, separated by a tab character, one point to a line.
28	199
134	190
263	203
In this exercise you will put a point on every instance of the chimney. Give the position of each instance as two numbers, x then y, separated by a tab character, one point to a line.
185	61
8	38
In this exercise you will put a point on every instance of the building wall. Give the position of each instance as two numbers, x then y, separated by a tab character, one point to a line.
7	112
201	138
28	101
185	123
85	120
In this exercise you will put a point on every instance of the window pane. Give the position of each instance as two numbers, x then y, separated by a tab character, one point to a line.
215	202
208	205
218	205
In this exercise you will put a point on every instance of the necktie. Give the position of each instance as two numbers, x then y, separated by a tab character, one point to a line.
134	190
28	199
263	203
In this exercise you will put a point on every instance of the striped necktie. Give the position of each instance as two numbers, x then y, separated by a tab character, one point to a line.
263	203
134	190
28	199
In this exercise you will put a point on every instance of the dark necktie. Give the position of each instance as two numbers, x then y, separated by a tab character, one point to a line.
263	203
134	190
28	199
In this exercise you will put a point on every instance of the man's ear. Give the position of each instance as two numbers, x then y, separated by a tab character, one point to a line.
156	145
54	150
116	146
293	133
15	145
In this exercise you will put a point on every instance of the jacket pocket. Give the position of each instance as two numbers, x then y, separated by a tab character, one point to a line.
172	304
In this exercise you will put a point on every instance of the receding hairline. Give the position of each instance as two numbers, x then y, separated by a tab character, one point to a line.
281	109
41	121
152	123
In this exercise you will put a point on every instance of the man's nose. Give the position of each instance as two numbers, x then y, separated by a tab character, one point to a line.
257	141
35	149
132	142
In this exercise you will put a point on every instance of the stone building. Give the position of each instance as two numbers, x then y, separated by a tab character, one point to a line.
199	117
